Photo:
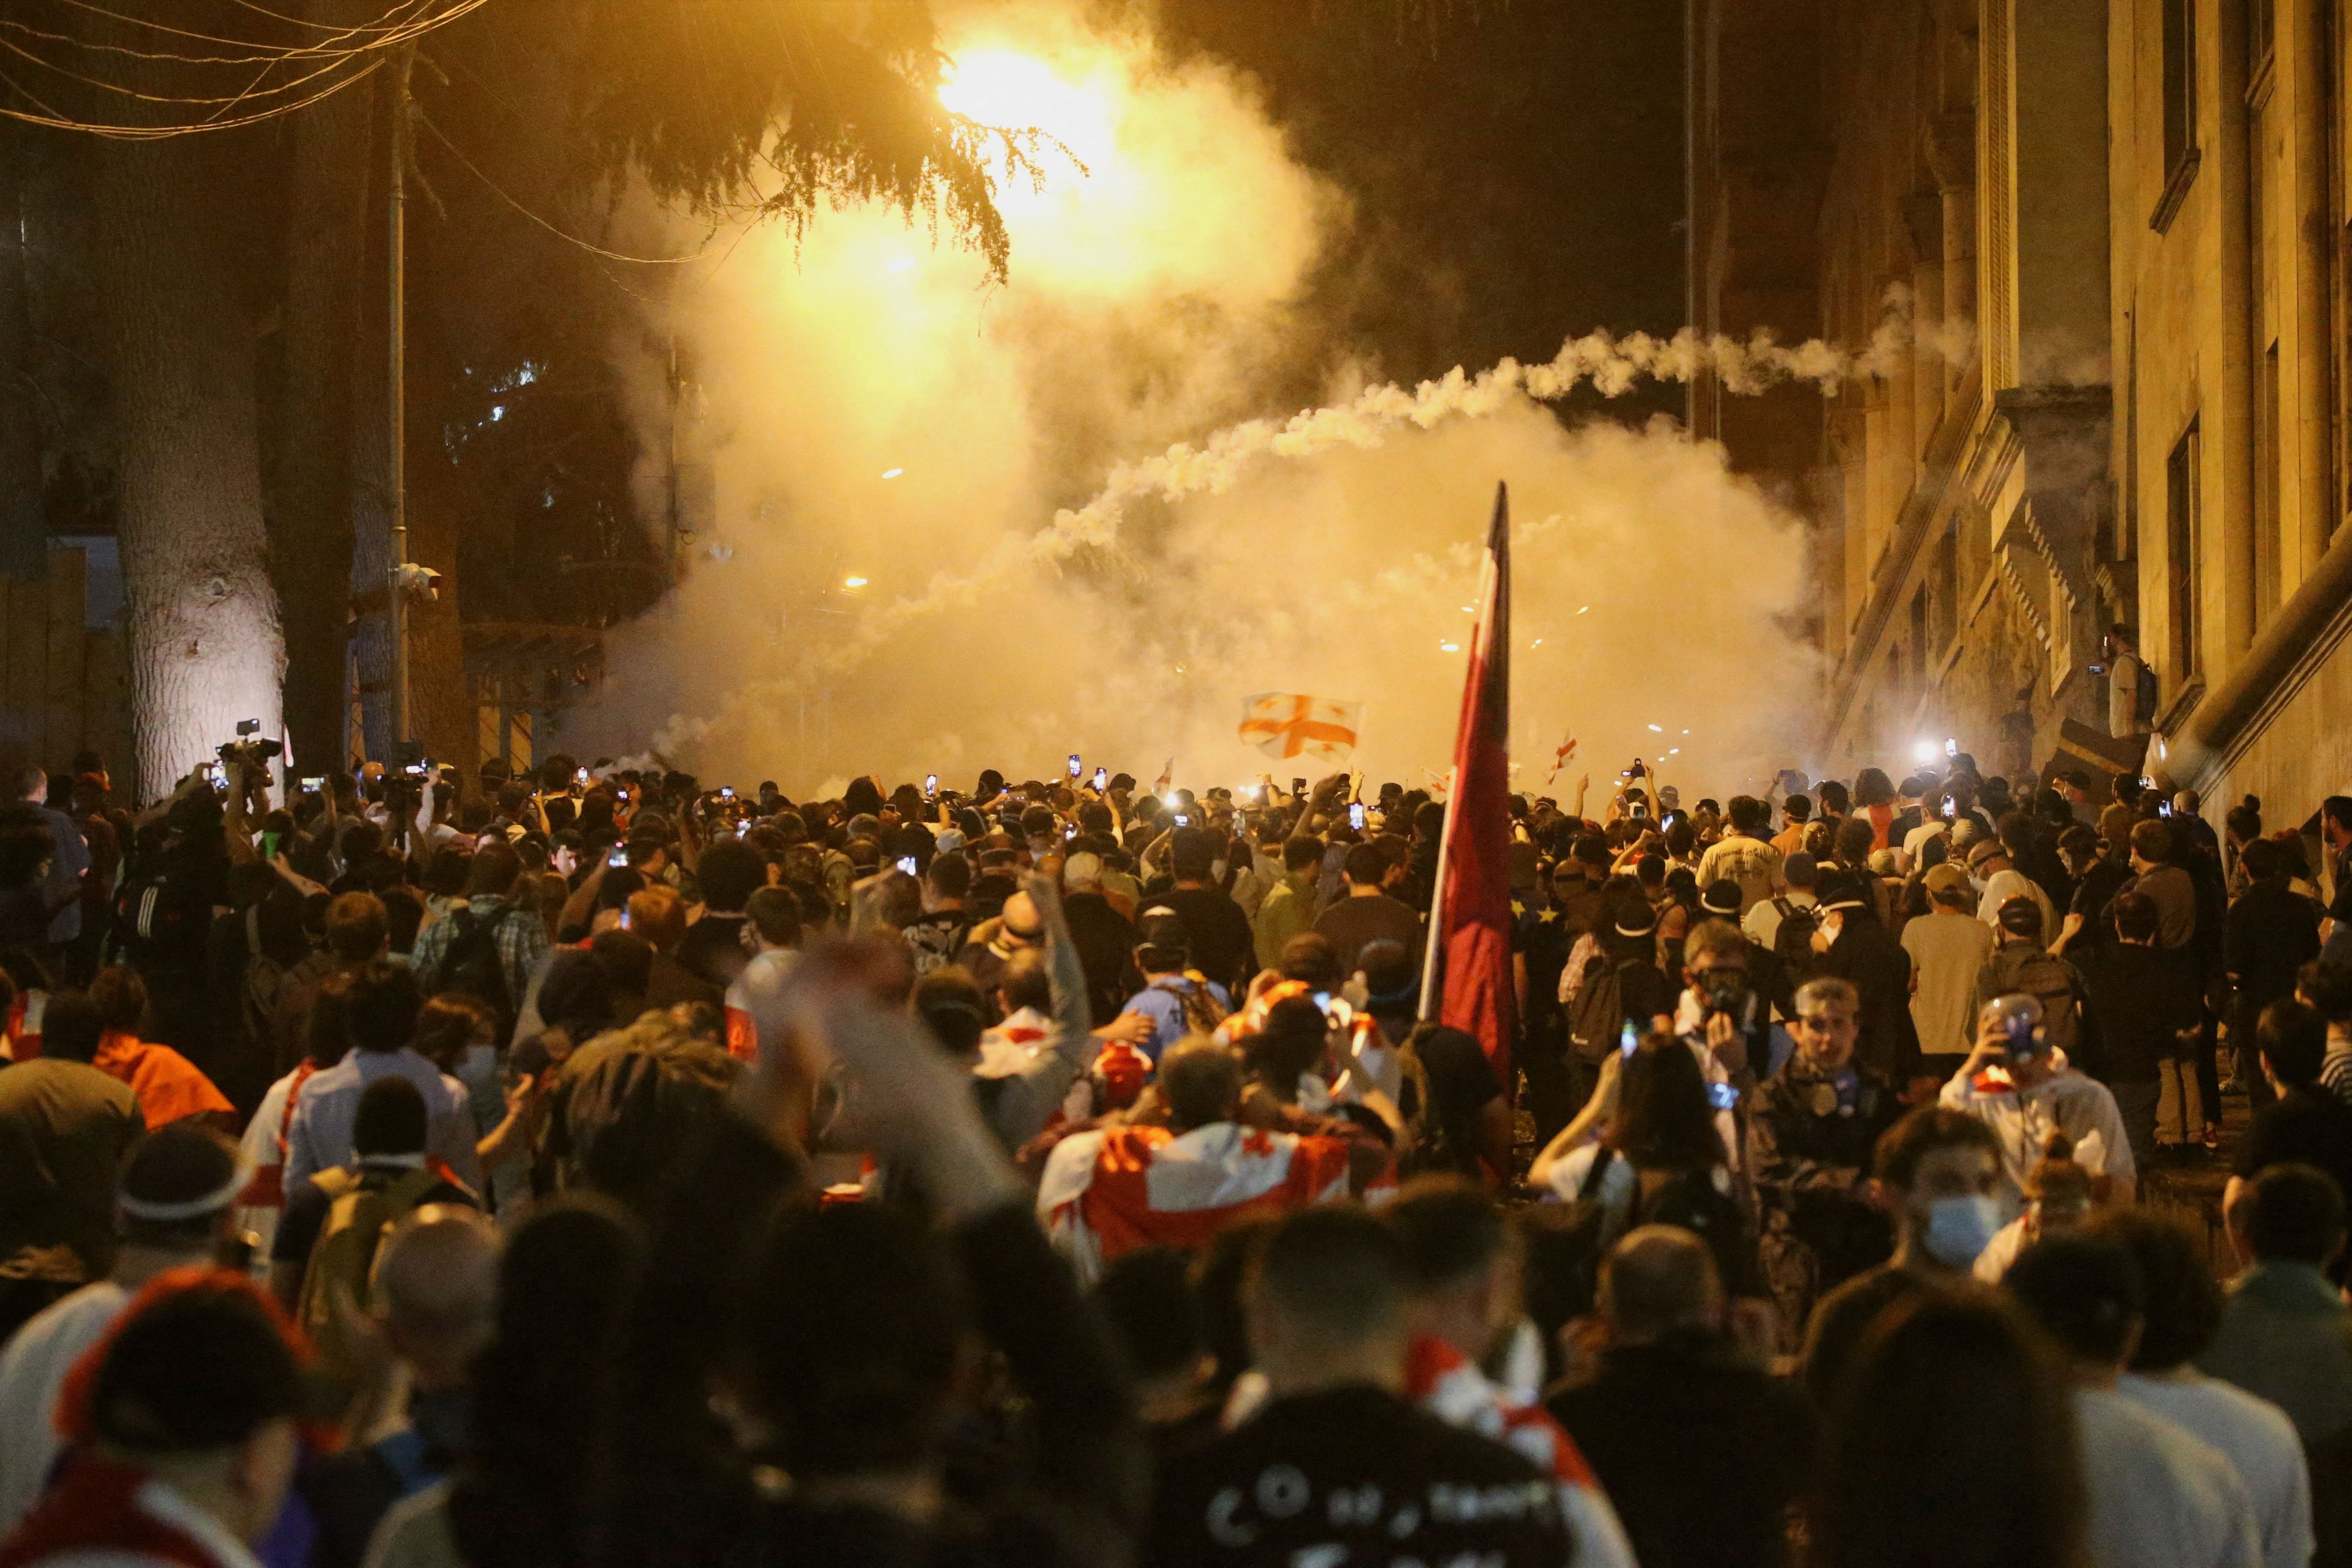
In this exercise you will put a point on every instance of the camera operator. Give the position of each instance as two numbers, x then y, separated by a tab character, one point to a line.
2016	1083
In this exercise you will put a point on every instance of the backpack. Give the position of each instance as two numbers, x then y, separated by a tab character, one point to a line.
154	920
1568	1253
1692	1202
470	965
2050	980
1792	944
1202	1012
363	1208
1597	1017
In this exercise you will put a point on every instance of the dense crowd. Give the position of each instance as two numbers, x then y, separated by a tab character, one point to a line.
587	1166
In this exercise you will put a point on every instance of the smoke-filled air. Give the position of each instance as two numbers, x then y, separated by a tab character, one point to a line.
956	526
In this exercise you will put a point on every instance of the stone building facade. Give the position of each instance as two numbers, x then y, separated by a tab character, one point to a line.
2101	246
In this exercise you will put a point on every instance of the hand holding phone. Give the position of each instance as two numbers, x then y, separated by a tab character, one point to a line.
1073	764
619	856
1356	816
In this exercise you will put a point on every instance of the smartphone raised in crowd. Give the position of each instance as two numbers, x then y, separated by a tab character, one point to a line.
1073	764
727	792
1356	814
1102	778
619	858
1298	788
907	864
930	786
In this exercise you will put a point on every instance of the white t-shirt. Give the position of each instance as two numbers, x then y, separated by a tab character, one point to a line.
2253	1435
2012	883
2159	1498
758	992
2065	1102
1946	949
1619	1184
32	1370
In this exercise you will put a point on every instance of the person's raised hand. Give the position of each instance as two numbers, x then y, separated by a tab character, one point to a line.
1127	1029
903	1098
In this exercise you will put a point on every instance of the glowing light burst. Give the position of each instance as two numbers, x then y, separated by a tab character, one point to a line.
1013	92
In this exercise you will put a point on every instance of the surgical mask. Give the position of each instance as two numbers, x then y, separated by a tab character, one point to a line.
1960	1228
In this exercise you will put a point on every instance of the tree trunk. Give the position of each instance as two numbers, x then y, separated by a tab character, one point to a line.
22	552
200	613
311	515
371	448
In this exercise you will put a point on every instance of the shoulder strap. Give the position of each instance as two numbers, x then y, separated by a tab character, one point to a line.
1594	1175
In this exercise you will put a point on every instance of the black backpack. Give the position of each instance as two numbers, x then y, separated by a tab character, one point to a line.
470	966
1792	944
1596	1018
1571	1248
1692	1202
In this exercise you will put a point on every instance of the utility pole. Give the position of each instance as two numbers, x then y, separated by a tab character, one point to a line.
396	486
671	562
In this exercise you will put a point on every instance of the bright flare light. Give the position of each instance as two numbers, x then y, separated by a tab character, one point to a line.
901	264
1925	752
1449	647
892	473
853	581
1013	92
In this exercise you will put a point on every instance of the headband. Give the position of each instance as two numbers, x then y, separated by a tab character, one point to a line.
212	1202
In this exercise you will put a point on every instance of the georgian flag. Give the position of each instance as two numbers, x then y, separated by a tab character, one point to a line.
1112	1189
1286	724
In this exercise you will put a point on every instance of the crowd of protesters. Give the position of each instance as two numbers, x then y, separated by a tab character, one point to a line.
414	1168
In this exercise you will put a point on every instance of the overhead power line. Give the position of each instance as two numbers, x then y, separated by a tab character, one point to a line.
354	52
500	191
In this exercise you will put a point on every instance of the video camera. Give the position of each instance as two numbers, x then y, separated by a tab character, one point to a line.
250	745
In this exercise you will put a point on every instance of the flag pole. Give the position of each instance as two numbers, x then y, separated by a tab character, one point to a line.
1429	998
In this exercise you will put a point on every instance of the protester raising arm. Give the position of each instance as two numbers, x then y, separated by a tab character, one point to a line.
679	1492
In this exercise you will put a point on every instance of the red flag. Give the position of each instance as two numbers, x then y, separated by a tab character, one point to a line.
1470	924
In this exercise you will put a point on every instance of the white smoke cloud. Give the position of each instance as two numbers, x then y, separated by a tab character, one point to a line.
1152	303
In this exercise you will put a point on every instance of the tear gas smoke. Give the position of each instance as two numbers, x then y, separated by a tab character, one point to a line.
868	413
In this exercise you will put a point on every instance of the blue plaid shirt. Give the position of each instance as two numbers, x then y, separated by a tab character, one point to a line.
521	937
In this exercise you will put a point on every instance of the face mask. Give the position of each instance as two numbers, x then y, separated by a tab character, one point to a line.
1723	990
1960	1228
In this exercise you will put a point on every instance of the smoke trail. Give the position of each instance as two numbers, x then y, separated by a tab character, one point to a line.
1611	365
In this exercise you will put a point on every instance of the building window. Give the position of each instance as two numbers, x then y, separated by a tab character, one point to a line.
2180	155
2185	579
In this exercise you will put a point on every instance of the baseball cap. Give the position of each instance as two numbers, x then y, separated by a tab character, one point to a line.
1162	930
1947	878
2020	916
1083	869
1986	849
